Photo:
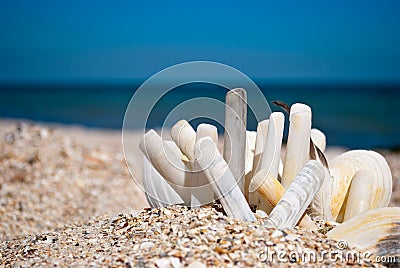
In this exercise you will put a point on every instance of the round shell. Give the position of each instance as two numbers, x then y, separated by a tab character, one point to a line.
376	231
344	167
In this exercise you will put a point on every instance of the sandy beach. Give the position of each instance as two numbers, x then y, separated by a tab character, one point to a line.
67	198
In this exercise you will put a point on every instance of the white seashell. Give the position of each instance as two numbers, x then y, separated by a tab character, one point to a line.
272	152
375	231
298	196
235	133
360	193
280	168
321	204
344	167
222	180
184	136
157	191
166	162
298	143
272	191
262	131
271	155
251	137
261	214
250	147
202	192
319	139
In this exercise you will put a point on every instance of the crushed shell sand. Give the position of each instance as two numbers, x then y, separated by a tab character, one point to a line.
166	237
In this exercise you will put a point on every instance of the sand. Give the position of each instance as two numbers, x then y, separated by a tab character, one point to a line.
66	194
55	176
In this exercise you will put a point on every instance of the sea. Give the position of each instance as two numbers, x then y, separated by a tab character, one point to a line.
354	115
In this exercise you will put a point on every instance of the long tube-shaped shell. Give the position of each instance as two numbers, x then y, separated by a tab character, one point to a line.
272	191
345	166
166	162
250	147
222	180
321	204
298	143
158	191
272	152
261	138
375	231
271	155
184	136
202	192
262	131
298	196
251	137
359	198
235	133
319	139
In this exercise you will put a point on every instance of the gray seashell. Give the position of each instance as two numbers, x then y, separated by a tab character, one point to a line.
235	133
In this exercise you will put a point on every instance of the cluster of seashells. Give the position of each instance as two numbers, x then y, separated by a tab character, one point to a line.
352	191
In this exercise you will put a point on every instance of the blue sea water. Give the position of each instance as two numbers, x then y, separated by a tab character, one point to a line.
352	115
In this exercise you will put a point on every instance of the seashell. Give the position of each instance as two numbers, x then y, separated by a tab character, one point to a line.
235	133
298	142
272	152
250	147
262	130
375	231
184	136
321	204
319	139
344	167
251	137
222	180
157	191
271	155
298	196
360	194
202	192
168	164
272	191
280	172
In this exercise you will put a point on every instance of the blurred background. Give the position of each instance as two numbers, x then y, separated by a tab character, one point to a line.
79	62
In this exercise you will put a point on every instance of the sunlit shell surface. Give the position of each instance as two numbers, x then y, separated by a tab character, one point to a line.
345	166
376	231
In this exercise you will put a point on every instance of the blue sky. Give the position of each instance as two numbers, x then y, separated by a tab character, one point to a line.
73	40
